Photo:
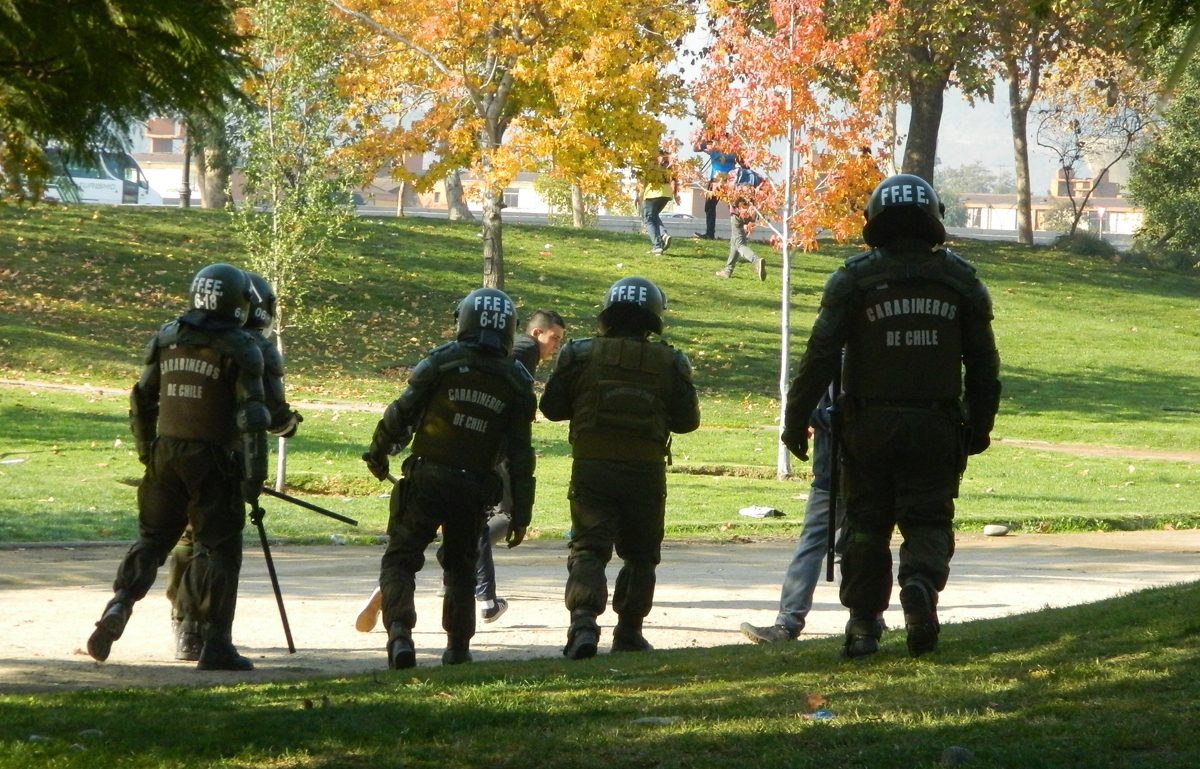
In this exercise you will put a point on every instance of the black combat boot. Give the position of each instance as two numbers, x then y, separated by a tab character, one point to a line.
219	653
583	636
919	601
110	627
458	651
189	641
400	650
862	637
627	636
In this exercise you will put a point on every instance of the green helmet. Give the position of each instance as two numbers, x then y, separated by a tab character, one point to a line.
220	297
904	206
486	317
262	302
636	301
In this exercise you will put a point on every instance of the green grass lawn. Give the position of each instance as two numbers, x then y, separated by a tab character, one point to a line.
1111	685
1092	353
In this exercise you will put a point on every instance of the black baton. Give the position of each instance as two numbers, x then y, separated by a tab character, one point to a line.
256	517
834	480
308	505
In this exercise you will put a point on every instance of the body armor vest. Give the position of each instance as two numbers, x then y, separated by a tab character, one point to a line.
620	409
905	339
197	398
465	420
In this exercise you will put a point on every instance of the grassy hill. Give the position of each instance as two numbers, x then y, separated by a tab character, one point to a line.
1093	353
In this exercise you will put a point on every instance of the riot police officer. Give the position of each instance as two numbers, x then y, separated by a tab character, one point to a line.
259	320
920	393
624	395
466	406
196	409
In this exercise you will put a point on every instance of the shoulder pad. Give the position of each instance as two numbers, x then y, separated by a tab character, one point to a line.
683	365
954	261
424	372
448	356
168	334
839	286
956	272
150	354
859	257
576	349
272	360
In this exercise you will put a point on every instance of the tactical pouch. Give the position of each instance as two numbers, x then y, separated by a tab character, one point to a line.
396	501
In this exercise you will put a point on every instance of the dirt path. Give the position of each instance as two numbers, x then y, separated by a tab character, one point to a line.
50	596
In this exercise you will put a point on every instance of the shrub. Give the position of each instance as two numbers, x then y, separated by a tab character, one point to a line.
1085	244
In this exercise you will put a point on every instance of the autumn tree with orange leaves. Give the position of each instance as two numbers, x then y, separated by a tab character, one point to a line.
570	87
786	81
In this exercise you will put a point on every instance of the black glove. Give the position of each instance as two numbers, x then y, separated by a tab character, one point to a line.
796	442
516	535
378	466
294	422
251	490
978	442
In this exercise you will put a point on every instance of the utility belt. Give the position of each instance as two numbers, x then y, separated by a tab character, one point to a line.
944	405
597	444
489	480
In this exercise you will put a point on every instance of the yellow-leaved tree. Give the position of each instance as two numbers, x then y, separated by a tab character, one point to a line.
572	87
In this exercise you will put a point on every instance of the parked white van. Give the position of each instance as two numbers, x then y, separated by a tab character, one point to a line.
112	177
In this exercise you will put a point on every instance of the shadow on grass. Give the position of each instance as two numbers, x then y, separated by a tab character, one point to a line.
1126	394
1106	685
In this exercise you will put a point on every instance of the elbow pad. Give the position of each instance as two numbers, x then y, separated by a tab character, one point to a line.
143	422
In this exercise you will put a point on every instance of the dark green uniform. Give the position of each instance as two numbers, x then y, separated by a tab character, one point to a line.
201	391
283	424
464	408
921	391
624	397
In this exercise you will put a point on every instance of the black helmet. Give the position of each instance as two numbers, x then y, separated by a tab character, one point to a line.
220	297
262	302
636	301
486	317
904	206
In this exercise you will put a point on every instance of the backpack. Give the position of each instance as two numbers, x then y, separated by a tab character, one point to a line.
747	177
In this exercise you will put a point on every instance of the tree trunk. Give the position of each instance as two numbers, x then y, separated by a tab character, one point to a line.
926	97
888	158
456	201
493	242
185	184
1019	118
578	212
214	177
1018	106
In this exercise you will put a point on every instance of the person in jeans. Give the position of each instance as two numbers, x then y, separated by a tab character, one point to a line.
800	581
660	187
720	165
